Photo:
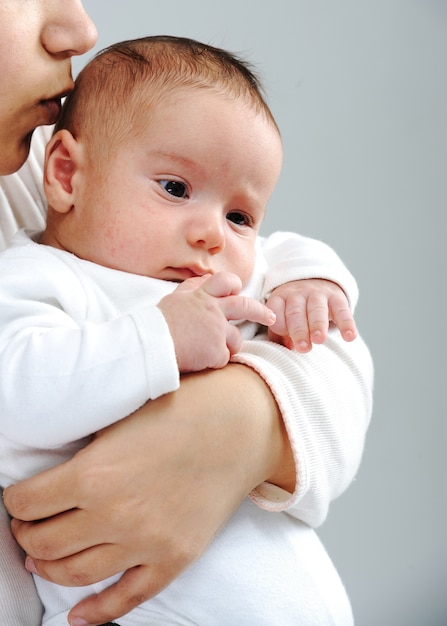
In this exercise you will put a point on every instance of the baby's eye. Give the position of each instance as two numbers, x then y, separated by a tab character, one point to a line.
175	188
240	219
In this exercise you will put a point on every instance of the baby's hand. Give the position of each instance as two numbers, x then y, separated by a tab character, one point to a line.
304	309
198	314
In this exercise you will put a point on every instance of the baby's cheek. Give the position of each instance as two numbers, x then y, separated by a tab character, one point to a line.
245	265
251	269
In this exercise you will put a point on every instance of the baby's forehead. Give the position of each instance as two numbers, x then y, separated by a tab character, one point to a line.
224	92
123	103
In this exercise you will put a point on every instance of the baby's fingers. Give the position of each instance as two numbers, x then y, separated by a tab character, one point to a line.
190	284
234	341
282	340
342	317
222	284
318	317
217	285
243	308
297	323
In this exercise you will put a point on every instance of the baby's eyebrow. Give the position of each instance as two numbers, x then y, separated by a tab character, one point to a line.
178	158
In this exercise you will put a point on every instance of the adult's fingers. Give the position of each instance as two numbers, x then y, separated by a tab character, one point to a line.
21	502
134	587
84	568
57	537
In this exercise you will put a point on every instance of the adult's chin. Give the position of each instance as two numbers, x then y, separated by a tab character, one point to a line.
13	155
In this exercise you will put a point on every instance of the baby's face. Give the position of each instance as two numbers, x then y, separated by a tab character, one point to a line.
187	196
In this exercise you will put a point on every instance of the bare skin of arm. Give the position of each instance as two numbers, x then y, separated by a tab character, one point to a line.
149	493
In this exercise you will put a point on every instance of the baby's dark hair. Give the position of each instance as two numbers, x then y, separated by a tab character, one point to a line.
130	76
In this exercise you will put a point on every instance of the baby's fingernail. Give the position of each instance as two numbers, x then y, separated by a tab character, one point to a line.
30	565
272	317
78	621
303	345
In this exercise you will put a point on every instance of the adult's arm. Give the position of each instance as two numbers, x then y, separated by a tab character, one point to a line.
325	398
198	452
150	493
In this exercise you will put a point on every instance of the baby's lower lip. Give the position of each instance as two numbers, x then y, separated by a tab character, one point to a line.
183	272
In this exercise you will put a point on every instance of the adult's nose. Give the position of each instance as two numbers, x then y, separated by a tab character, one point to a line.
68	30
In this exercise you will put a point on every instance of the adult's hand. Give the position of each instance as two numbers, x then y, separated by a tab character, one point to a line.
149	493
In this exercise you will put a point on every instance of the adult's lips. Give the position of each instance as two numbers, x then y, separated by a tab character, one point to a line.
52	108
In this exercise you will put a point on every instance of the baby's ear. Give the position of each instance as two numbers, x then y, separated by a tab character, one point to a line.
61	162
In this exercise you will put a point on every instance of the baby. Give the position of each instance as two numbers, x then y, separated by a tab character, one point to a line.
151	265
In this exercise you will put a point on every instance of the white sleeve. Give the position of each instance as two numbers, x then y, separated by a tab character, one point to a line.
293	257
22	200
63	378
325	397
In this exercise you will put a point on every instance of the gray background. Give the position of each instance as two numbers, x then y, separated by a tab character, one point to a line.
359	89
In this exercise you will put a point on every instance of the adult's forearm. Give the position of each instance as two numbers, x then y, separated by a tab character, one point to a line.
182	464
255	434
325	398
